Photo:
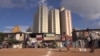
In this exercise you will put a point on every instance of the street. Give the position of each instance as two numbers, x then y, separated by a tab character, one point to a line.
46	52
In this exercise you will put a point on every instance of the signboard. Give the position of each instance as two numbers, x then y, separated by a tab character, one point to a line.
39	37
48	35
49	38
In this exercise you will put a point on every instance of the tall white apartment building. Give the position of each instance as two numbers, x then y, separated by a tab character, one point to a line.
41	20
54	21
66	21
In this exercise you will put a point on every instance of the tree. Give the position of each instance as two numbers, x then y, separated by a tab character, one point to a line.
1	37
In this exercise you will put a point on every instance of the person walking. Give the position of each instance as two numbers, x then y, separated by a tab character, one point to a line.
82	41
82	45
66	41
92	37
74	38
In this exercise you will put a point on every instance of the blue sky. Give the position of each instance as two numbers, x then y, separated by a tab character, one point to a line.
21	12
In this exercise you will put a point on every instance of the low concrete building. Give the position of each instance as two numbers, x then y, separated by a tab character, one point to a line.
15	40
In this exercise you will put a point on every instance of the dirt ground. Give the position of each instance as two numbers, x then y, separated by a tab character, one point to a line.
46	52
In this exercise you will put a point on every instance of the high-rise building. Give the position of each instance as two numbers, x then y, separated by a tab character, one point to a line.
66	21
54	21
41	20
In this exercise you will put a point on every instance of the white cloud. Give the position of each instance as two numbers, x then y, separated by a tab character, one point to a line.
9	27
21	3
50	7
94	24
41	2
5	3
86	8
24	28
6	31
12	3
15	3
98	24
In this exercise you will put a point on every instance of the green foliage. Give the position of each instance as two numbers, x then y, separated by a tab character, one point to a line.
13	41
1	37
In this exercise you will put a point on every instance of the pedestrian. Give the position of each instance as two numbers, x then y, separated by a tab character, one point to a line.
74	38
92	37
82	45
82	41
66	41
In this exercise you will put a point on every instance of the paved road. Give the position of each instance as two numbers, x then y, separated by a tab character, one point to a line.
46	52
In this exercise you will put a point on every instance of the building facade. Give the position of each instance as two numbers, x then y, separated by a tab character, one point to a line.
66	21
41	20
54	21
